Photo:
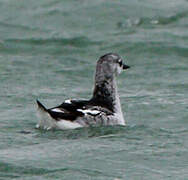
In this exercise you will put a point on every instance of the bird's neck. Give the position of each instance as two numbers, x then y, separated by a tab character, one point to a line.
106	92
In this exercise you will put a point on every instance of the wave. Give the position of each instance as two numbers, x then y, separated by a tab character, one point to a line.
149	22
152	46
135	132
18	26
12	170
46	46
76	41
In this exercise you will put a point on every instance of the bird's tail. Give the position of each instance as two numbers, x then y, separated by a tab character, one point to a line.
45	120
41	106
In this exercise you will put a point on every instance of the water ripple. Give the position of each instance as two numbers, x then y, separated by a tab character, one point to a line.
130	132
77	41
146	21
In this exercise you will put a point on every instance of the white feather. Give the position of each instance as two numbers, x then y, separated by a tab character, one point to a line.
87	111
68	101
57	110
63	124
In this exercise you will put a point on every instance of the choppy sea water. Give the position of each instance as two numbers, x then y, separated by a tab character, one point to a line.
48	50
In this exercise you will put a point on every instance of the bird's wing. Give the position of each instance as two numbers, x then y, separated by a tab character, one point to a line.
72	109
68	110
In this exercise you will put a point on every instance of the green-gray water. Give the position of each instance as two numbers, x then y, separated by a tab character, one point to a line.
48	50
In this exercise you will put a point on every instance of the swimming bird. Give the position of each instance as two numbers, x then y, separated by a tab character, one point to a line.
103	108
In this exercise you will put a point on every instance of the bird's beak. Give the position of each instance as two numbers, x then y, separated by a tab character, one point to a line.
125	67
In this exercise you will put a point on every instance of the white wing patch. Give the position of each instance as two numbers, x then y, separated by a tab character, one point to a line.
57	110
68	101
87	111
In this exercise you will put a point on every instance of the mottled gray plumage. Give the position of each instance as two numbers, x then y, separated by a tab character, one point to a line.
103	108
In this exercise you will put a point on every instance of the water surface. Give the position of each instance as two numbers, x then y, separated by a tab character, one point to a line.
48	50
